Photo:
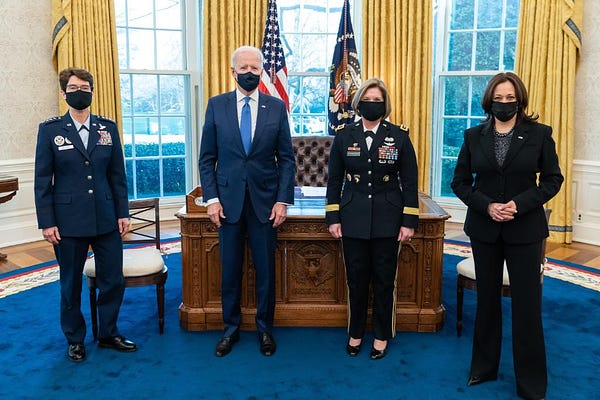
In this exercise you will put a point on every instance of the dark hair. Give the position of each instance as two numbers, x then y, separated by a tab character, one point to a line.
66	74
520	93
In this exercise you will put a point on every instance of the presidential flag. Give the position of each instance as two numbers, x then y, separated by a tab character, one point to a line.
345	75
274	77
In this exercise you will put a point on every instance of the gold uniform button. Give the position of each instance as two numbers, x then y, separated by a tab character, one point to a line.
386	178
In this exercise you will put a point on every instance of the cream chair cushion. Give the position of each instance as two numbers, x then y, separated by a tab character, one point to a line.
136	262
466	268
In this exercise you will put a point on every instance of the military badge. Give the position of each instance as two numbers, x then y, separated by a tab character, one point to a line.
105	138
59	140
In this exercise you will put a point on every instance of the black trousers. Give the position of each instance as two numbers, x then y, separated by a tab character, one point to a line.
529	353
371	262
71	253
263	240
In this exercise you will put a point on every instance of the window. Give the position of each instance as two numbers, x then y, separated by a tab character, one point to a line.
476	39
308	35
155	96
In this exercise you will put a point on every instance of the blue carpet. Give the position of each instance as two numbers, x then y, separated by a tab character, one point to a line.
310	363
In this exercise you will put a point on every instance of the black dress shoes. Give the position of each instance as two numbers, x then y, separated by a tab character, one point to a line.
118	343
352	350
76	352
377	354
225	344
477	379
267	344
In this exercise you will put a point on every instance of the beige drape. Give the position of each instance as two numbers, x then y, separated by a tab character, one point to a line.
397	47
549	40
228	25
84	36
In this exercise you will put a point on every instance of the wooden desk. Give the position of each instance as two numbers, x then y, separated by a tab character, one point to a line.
311	281
10	185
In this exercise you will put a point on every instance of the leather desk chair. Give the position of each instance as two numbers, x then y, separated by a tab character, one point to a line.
466	279
312	159
142	266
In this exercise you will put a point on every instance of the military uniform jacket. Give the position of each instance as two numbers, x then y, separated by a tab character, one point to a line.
372	193
82	192
530	175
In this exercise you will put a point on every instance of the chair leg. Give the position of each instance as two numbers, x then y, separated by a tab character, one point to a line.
94	312
160	297
459	307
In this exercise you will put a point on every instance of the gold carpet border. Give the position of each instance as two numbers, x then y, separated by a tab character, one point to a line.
39	277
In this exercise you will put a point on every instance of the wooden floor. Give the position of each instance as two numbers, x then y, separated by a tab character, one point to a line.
29	254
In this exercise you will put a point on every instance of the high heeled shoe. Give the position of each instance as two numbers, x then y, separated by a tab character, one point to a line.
352	350
377	354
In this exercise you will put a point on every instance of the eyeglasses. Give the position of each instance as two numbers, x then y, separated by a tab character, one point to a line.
84	88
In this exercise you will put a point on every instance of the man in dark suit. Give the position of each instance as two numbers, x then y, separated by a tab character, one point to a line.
247	169
81	201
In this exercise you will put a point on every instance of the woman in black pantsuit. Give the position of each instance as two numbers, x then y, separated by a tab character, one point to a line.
372	205
506	171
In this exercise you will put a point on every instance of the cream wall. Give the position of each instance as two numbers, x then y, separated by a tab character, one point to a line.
28	95
28	84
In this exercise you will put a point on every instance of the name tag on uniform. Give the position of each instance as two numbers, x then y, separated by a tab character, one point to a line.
66	147
353	151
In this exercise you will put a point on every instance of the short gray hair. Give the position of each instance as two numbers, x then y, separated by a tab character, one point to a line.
244	49
368	84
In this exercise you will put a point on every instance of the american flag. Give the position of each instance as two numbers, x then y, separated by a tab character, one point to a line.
345	75
274	77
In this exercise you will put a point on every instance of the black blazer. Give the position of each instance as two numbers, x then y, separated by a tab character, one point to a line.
479	180
372	193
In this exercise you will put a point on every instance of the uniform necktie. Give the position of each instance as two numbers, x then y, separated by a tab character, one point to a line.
84	134
369	138
246	125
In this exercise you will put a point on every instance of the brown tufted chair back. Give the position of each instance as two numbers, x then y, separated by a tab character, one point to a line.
312	159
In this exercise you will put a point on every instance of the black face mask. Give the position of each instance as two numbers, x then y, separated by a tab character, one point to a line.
371	110
504	111
79	99
248	81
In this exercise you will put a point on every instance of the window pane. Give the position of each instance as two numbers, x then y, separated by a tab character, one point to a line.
447	167
510	48
461	49
488	50
141	49
313	56
456	95
488	12
462	14
293	59
127	136
172	94
173	136
512	13
170	14
122	50
145	94
478	87
314	125
147	178
169	49
314	96
125	82
120	13
129	172
146	136
141	14
454	129
174	176
294	94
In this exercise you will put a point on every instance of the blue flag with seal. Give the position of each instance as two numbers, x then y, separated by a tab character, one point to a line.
344	79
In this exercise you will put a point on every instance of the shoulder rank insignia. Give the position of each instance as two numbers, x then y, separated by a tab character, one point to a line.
106	119
404	127
53	119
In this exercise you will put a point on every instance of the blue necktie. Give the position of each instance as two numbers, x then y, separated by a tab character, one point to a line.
246	125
